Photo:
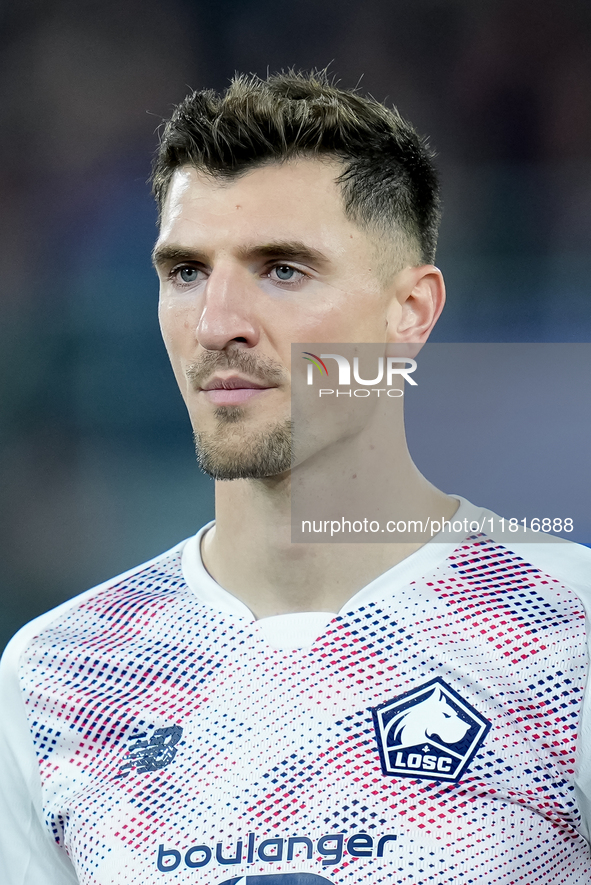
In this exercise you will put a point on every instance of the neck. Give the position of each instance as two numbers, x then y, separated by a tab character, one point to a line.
251	551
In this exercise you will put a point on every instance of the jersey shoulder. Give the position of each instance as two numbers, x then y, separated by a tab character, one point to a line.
167	562
564	561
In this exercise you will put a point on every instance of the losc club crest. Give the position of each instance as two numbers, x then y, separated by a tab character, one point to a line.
429	732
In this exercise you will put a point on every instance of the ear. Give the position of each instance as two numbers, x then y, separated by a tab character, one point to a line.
417	299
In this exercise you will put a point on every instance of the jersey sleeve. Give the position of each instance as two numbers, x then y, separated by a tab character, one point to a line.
583	764
571	564
28	854
575	570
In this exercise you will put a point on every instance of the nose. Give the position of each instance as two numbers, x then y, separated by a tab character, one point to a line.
229	310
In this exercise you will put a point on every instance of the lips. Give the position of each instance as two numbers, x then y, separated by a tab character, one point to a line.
232	390
233	382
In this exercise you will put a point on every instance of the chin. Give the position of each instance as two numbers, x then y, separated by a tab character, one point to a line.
256	455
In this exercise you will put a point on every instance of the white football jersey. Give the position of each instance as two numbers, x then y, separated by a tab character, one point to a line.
433	731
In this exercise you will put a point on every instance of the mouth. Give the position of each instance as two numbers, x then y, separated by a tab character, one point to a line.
233	390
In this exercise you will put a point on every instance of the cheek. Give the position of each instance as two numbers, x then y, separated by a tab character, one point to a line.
346	317
178	333
176	324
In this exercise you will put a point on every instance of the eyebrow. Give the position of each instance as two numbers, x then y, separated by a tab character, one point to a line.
292	250
164	254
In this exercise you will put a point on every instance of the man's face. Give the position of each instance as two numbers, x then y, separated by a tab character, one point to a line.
247	268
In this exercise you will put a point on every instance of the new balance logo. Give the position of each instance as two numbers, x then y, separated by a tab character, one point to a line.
151	752
429	732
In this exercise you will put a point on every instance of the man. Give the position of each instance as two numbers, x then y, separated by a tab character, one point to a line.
246	709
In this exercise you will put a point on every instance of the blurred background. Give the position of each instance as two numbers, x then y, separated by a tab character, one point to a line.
97	469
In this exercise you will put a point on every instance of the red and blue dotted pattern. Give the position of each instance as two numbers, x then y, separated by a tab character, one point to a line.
281	743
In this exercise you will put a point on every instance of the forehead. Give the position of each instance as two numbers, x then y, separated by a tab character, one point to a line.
274	201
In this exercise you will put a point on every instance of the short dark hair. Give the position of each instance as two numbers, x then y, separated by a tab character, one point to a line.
388	181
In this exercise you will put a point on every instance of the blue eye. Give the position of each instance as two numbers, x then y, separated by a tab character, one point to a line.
285	273
188	274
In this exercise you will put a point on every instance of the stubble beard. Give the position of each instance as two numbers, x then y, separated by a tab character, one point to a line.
232	452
